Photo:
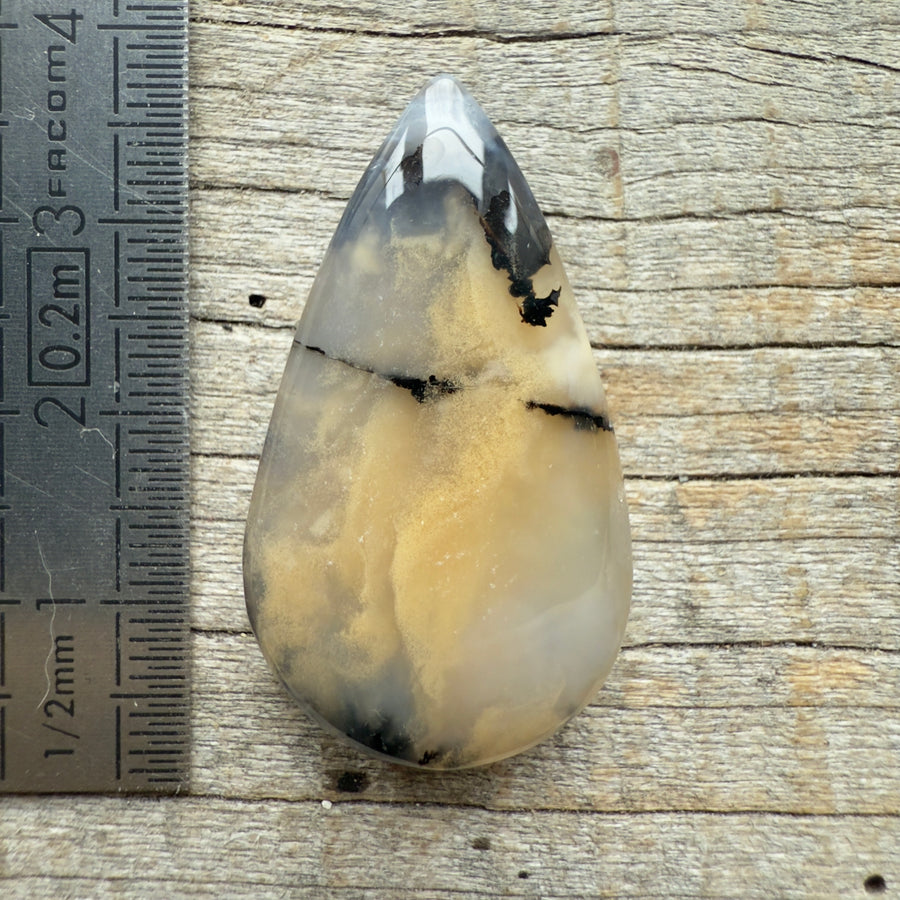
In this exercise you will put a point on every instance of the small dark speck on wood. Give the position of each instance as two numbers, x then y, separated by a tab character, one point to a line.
352	782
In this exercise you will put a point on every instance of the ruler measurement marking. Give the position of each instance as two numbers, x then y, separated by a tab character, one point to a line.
115	76
145	695
118	564
159	735
117	366
122	221
152	67
116	176
153	101
154	394
157	73
118	637
155	46
118	743
176	145
117	273
113	26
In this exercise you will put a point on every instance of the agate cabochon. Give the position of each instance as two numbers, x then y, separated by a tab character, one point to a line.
437	560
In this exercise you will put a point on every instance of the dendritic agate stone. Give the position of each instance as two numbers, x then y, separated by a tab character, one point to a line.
437	560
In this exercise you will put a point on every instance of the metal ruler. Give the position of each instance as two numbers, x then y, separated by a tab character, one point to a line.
94	457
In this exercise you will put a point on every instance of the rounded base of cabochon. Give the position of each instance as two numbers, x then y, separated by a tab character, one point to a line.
388	743
424	761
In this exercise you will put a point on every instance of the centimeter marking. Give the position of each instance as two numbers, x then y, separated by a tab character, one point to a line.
94	456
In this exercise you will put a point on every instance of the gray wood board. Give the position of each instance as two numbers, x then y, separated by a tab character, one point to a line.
722	180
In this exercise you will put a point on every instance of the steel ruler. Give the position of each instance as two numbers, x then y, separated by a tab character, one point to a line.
94	457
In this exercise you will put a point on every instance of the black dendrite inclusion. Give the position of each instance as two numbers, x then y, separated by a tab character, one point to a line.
534	310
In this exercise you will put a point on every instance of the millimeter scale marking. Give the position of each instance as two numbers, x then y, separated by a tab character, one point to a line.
94	456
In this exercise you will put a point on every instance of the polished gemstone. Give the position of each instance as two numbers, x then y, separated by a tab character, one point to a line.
437	560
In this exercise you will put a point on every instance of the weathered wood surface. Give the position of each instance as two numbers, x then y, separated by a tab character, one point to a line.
722	179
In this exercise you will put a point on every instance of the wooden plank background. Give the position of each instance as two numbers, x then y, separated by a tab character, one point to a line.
722	178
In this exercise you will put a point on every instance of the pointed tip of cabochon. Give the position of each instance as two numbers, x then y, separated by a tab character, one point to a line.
445	77
444	103
444	137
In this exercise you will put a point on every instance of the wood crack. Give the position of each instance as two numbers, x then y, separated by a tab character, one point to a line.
430	31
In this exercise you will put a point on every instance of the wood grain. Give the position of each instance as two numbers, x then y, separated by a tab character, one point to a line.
722	181
300	849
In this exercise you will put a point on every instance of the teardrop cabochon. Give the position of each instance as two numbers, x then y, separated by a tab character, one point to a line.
437	560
